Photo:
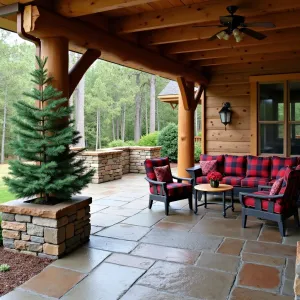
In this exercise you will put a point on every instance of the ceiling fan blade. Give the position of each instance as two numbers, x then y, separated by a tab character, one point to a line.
259	24
208	26
252	33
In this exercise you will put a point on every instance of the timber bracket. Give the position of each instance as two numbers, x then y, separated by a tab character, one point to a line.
187	90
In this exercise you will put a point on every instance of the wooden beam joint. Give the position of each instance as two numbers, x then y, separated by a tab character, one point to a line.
77	72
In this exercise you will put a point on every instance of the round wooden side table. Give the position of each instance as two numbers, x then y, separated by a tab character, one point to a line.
206	188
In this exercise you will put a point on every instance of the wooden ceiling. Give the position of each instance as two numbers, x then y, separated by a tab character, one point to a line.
164	29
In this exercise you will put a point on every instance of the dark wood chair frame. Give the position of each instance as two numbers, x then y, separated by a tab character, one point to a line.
269	214
162	196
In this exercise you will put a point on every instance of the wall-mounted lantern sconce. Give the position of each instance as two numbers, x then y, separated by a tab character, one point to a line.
225	114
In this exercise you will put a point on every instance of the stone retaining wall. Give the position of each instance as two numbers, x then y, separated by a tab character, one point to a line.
110	164
44	230
297	276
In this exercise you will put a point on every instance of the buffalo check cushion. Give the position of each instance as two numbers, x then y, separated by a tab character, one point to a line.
163	174
235	165
175	189
201	179
218	158
208	166
232	180
280	162
155	162
257	166
276	187
254	181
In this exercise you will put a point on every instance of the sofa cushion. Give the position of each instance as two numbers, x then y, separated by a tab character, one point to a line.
218	158
287	172
250	202
201	179
258	166
232	180
155	162
276	187
208	166
235	165
254	181
280	162
163	174
175	189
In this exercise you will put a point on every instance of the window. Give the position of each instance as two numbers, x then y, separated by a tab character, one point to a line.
276	103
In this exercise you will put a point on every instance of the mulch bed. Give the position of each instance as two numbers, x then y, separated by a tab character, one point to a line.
22	268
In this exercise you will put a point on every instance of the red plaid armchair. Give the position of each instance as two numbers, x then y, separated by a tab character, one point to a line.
167	192
276	208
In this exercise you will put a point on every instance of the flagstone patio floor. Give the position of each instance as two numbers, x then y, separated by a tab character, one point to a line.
135	253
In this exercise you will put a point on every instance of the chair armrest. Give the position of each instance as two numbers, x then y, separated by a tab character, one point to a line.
163	185
195	172
180	179
155	182
262	197
264	187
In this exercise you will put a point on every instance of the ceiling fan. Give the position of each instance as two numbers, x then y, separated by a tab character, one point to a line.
235	25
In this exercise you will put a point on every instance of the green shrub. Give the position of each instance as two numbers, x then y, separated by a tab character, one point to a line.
116	143
197	152
130	143
200	133
4	268
149	139
168	139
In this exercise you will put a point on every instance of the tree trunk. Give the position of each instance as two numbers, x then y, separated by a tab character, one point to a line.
79	112
123	122
157	116
98	131
152	102
113	129
4	128
137	128
118	128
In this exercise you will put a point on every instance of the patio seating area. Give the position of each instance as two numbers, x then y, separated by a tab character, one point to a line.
137	253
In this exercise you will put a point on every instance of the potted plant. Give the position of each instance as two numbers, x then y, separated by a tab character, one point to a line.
214	179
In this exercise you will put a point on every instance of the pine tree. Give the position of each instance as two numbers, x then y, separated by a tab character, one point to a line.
43	134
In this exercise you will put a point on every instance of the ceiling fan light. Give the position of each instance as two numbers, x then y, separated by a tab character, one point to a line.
226	37
238	38
236	33
221	34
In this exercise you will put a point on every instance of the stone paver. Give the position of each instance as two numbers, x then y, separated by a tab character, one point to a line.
95	229
121	211
173	226
124	231
227	228
108	281
136	204
109	202
53	282
288	288
23	295
130	261
290	269
259	276
95	208
166	253
219	262
180	239
82	260
270	234
184	217
263	259
188	281
147	220
247	294
105	220
114	245
231	246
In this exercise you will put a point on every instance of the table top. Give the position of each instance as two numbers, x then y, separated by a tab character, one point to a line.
207	188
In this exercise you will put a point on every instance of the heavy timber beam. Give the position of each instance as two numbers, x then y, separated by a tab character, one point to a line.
282	36
76	8
189	33
77	72
242	51
204	12
42	23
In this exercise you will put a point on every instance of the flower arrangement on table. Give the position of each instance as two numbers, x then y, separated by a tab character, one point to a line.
214	179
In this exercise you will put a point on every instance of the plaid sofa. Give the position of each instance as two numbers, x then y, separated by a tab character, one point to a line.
245	173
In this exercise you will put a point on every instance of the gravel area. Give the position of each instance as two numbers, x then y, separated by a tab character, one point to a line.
22	268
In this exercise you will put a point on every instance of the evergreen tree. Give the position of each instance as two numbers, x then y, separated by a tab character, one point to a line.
43	134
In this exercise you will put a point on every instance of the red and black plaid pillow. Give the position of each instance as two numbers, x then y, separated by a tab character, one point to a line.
276	187
163	174
258	166
280	162
235	165
218	158
208	166
155	162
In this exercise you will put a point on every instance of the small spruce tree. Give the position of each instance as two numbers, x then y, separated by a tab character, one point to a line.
46	168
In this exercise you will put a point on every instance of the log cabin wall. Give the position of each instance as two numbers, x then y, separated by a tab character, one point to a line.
230	83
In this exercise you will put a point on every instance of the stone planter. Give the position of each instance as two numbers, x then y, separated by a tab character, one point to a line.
46	230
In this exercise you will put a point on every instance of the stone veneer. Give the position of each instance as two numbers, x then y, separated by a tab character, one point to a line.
110	164
297	272
46	230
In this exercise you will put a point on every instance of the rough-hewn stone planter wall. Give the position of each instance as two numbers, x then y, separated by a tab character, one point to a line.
44	230
138	156
297	276
106	163
125	159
